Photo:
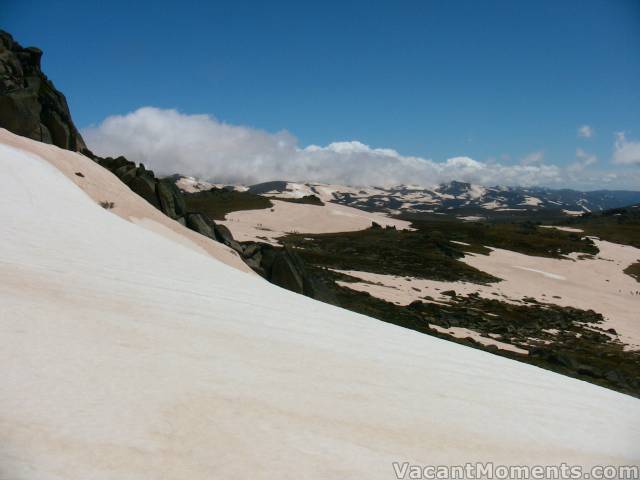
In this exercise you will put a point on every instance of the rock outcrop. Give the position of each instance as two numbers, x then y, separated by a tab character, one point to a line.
30	105
281	266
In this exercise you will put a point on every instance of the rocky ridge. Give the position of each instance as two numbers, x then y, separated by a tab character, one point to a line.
281	266
30	105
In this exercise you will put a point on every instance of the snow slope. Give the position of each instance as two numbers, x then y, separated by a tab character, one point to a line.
269	224
101	185
127	355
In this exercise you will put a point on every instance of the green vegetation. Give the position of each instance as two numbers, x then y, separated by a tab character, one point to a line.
619	225
420	254
633	270
523	237
430	251
307	199
217	202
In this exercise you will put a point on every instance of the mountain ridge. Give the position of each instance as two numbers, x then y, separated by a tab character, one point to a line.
454	195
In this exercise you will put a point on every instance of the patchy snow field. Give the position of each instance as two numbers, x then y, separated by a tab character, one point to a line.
269	224
127	355
595	283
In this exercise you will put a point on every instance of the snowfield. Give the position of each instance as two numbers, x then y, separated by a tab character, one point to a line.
128	355
268	224
590	283
102	186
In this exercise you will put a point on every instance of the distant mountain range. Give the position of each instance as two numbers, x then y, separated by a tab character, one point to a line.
455	197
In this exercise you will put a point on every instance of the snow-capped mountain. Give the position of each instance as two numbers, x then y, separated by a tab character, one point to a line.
454	197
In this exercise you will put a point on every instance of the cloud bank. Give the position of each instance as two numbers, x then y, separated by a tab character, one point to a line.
168	141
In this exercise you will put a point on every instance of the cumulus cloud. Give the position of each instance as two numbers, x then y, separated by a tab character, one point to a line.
585	131
200	145
626	152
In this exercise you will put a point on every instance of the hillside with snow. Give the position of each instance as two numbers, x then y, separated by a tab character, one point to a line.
453	198
129	353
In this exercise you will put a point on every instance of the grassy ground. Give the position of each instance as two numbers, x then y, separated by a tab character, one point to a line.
619	225
307	200
633	270
523	237
430	252
217	202
389	251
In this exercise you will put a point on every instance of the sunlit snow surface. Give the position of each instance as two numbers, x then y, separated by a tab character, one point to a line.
128	355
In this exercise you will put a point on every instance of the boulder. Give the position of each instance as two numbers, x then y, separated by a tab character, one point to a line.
285	273
225	236
30	105
171	199
201	224
145	186
126	173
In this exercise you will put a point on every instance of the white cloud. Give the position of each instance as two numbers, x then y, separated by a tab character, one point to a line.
585	131
534	158
168	141
626	152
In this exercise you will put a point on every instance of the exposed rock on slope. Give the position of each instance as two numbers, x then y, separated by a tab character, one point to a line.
30	105
278	265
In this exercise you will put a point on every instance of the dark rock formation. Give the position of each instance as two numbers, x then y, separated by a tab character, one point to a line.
171	199
201	224
281	266
30	105
162	194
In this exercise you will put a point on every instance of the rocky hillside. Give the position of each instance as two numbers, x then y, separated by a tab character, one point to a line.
30	105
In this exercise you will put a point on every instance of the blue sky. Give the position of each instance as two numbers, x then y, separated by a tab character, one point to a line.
500	81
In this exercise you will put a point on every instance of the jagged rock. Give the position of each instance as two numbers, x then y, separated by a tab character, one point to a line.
30	105
251	250
255	262
126	173
113	164
201	224
285	273
171	199
145	186
225	236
